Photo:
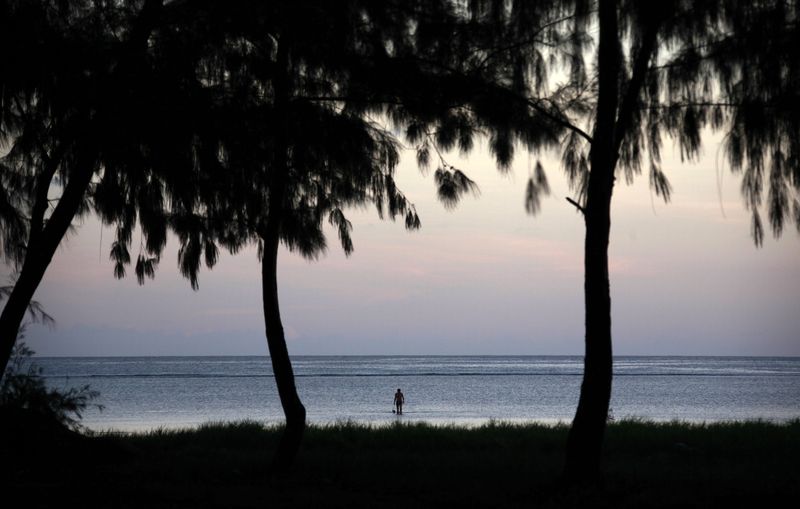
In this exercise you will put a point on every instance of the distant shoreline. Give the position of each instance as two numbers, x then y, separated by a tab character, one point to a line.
414	356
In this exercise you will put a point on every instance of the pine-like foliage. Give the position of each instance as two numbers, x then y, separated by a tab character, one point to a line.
525	73
85	101
206	167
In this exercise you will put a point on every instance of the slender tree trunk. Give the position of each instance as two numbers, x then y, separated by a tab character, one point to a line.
43	242
586	435
293	408
17	305
615	116
585	439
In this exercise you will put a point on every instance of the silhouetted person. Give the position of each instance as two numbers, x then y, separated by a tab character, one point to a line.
399	399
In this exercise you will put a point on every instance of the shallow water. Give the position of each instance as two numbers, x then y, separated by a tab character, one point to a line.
146	392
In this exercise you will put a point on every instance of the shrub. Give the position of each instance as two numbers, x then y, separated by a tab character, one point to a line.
24	387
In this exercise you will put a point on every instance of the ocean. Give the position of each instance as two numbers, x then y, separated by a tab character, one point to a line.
140	393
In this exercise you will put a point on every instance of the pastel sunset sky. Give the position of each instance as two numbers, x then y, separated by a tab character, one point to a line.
485	278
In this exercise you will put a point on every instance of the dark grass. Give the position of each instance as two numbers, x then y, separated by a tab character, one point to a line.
413	465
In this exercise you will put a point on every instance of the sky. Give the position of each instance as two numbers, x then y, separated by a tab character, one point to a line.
483	279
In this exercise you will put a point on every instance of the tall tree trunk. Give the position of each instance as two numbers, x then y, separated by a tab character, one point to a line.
586	435
44	239
25	286
293	408
585	439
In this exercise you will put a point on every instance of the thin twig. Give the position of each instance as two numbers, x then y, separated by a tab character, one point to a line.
577	206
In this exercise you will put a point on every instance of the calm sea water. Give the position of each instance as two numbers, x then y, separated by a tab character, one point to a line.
146	392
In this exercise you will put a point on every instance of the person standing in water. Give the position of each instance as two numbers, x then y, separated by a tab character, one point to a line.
399	399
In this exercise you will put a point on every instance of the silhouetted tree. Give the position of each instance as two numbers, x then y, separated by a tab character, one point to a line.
312	158
277	153
200	118
675	69
65	95
603	83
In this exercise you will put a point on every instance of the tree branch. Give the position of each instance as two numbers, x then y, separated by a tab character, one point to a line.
534	38
40	201
562	121
577	206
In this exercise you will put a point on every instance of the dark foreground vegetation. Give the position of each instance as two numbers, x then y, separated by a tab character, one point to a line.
349	465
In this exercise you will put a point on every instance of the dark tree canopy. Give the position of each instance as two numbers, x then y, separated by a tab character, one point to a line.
524	74
215	190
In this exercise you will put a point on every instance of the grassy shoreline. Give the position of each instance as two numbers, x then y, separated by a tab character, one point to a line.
351	465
